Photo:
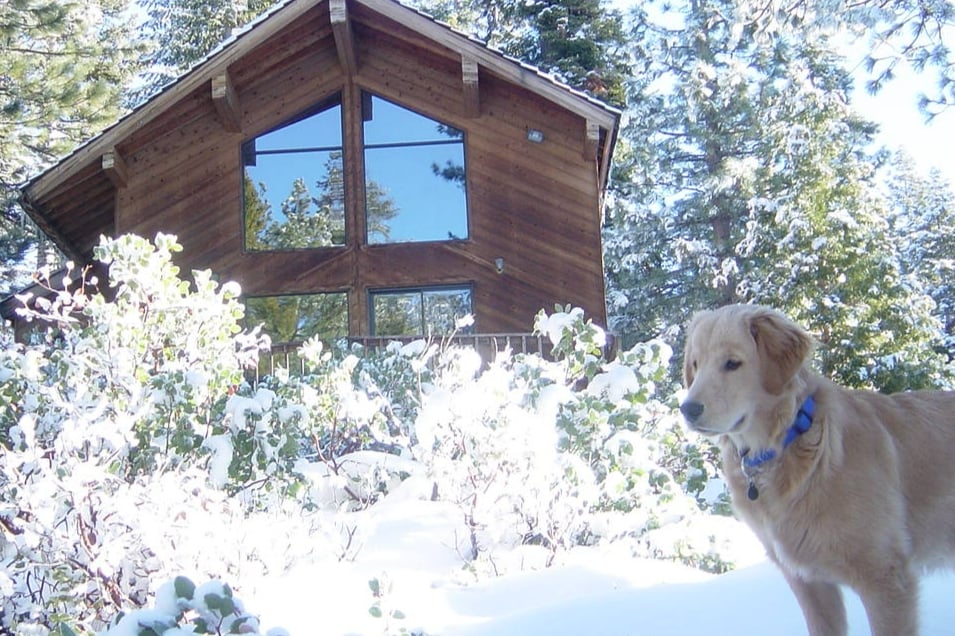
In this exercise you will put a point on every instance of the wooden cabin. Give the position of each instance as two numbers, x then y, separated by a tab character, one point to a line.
361	170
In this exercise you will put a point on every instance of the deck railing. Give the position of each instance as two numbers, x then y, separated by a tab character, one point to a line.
286	355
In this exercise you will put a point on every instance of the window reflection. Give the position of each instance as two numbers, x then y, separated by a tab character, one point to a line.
419	312
296	318
414	176
294	191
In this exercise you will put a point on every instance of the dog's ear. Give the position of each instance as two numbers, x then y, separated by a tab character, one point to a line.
783	347
689	372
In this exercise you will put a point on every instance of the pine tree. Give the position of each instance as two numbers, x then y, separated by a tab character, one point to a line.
923	217
582	42
744	176
63	66
182	32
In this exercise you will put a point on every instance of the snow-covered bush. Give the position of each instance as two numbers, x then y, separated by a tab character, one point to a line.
133	449
183	608
113	395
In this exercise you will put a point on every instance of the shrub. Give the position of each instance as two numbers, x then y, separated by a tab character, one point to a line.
132	445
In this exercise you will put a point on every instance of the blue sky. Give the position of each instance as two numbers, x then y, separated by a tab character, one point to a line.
430	207
895	109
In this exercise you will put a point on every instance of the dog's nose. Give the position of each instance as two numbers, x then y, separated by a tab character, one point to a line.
691	411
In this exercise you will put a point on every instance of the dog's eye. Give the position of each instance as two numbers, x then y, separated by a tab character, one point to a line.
732	365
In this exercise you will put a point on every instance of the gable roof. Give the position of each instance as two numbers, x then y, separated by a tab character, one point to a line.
94	162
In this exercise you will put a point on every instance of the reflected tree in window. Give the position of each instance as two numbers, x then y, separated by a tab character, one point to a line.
295	318
297	194
443	308
397	314
379	210
256	213
419	312
451	171
303	220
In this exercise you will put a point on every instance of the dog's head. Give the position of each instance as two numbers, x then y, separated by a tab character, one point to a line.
738	359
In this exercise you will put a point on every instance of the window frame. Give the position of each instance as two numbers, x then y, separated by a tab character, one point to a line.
365	104
331	101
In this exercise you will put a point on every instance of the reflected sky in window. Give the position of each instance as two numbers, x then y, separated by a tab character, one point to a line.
414	176
414	179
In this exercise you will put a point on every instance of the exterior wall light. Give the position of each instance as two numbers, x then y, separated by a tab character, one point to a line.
499	265
534	135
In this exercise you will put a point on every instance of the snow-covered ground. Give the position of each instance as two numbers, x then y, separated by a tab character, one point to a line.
410	493
412	545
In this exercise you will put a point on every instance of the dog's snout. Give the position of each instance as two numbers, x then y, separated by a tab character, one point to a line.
691	411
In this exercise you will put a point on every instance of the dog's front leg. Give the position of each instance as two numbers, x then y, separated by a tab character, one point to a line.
890	596
821	605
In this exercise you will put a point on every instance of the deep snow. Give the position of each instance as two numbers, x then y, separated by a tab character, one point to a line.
601	592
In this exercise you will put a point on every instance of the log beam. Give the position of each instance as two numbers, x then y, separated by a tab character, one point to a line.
114	166
472	90
591	140
226	101
344	39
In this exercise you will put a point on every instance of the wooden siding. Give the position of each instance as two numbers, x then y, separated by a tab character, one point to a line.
536	205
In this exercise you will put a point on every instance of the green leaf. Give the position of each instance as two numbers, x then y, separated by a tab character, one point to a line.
184	587
227	606
214	601
375	611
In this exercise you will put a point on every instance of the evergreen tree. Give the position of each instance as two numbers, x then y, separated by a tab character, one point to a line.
892	34
922	216
182	32
582	42
64	65
743	176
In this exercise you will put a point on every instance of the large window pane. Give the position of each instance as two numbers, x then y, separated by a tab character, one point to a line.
294	194
419	312
414	176
397	314
443	308
296	318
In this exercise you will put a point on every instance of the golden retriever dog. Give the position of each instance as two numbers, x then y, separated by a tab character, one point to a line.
842	487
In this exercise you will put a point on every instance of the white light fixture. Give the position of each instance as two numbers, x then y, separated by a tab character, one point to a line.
499	265
534	135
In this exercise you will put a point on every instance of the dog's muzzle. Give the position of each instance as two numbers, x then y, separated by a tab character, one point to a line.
692	411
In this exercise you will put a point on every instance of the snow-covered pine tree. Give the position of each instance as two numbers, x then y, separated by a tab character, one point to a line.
64	65
747	177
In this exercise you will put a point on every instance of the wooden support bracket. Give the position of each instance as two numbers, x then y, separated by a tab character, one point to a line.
115	168
591	141
226	101
472	90
344	39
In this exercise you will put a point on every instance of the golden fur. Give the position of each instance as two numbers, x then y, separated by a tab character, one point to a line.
864	498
